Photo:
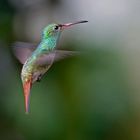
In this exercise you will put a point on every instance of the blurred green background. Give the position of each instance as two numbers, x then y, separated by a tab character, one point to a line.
95	96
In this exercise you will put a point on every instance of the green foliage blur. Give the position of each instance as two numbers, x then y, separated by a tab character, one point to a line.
94	96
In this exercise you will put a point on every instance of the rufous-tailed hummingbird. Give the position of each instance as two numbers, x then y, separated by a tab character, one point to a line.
37	59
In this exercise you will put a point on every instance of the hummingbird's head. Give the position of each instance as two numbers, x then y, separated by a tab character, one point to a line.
54	30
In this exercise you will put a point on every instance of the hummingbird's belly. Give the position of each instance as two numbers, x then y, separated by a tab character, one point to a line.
26	73
34	72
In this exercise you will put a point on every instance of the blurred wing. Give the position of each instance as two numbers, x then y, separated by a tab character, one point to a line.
23	50
45	59
62	54
56	55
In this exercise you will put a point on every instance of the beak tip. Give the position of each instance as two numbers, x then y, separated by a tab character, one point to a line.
85	21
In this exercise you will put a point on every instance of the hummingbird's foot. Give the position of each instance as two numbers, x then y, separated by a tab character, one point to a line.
39	78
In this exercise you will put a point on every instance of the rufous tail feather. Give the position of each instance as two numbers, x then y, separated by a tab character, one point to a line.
26	87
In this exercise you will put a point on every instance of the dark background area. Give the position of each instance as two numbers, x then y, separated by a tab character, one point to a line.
95	96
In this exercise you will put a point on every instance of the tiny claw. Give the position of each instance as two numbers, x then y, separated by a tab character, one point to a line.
39	78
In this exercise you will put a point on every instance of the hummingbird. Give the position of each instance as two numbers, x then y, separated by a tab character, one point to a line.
37	59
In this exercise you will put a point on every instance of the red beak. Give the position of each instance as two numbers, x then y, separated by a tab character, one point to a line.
67	25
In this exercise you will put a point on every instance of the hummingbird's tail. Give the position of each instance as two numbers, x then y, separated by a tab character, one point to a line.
26	87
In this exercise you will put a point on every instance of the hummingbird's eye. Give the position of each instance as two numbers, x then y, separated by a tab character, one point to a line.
56	27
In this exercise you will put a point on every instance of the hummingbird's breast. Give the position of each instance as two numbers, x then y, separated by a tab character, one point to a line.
33	70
